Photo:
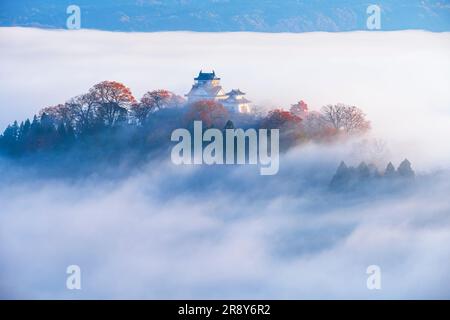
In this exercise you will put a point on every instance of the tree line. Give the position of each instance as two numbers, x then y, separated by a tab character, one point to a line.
351	178
108	116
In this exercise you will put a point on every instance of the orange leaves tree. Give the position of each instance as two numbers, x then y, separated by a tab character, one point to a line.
156	99
211	113
83	111
288	124
60	113
300	109
77	113
153	101
280	119
112	101
106	103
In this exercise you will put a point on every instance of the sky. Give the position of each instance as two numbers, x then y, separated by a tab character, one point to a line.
195	232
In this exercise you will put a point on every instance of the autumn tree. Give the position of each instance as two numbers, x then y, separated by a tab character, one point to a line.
347	118
112	100
316	127
300	109
77	113
288	123
211	113
153	101
280	119
176	101
82	111
156	99
60	113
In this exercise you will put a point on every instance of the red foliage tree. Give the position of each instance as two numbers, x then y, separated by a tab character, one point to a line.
278	119
211	113
112	101
156	99
300	109
60	113
153	101
82	110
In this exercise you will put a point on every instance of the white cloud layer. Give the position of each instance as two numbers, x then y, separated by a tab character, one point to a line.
167	233
400	79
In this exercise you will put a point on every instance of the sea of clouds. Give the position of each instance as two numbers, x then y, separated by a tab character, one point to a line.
227	232
224	232
400	79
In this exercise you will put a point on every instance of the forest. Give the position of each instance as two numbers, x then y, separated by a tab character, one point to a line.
108	124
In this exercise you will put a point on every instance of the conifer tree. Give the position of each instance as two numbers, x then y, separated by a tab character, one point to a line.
404	169
390	171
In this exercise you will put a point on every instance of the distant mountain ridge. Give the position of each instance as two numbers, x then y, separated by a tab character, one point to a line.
228	15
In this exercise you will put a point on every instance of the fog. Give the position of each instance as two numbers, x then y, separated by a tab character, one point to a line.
224	232
165	231
400	79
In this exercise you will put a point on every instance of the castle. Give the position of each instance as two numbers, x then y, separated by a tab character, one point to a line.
207	87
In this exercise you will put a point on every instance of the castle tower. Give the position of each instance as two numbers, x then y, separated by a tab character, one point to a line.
206	87
236	102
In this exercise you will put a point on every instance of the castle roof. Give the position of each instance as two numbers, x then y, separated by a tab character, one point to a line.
204	76
234	100
235	92
198	90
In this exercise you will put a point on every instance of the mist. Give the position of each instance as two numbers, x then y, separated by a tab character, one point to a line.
224	232
400	79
